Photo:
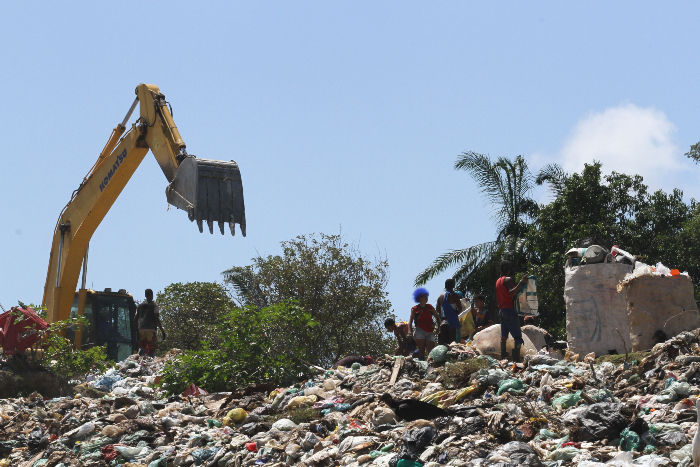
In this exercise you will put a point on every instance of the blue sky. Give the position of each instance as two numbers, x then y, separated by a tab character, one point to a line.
342	116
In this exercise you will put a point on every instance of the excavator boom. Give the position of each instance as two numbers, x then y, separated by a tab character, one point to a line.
207	190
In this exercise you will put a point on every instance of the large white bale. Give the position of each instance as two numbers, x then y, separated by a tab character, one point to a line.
595	311
663	303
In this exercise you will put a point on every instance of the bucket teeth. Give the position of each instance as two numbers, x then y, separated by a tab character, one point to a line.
209	191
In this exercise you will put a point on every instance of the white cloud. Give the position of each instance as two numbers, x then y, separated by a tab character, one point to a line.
627	139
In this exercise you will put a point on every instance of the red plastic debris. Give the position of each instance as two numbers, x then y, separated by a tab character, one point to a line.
109	453
193	390
252	447
19	329
571	443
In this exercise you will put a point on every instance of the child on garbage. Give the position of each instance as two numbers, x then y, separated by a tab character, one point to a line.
482	318
407	344
422	315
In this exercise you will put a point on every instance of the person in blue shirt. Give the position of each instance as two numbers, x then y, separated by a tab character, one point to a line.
450	306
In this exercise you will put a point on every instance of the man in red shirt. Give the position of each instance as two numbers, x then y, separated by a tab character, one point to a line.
506	290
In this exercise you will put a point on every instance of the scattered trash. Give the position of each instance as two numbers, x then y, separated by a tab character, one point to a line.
541	412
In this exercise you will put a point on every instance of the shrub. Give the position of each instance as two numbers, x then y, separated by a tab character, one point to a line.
189	313
54	353
255	345
341	289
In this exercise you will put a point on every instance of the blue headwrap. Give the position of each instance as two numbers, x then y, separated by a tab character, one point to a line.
418	292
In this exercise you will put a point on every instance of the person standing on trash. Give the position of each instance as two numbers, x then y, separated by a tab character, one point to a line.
481	316
147	319
422	316
506	290
540	337
451	306
407	343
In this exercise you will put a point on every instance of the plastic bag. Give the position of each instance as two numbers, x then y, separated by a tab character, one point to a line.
546	434
418	439
202	455
629	440
301	401
546	380
128	452
492	377
439	354
601	421
516	453
513	386
383	416
567	400
112	431
673	393
431	388
193	390
408	463
563	454
235	416
146	408
284	424
310	440
84	430
352	441
316	391
683	453
656	428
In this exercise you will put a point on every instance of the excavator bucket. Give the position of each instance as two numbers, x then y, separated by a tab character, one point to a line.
209	191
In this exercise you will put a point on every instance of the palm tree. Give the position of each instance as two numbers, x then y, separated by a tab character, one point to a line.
506	185
554	175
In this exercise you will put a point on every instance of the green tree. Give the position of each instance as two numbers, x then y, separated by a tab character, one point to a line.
613	209
342	290
255	345
506	186
189	313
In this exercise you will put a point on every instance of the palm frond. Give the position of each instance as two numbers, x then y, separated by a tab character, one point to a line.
471	255
242	281
554	175
487	176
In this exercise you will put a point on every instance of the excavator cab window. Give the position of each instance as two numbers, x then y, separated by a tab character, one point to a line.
110	319
88	334
114	326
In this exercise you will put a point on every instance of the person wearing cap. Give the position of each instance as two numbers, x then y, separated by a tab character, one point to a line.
540	337
406	342
348	361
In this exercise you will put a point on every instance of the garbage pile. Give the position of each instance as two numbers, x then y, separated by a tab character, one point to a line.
463	410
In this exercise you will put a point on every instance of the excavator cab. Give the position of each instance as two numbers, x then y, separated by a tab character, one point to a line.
111	322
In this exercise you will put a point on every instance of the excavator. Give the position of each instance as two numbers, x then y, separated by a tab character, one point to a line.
208	190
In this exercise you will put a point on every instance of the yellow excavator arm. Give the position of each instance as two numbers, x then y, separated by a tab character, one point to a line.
207	190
